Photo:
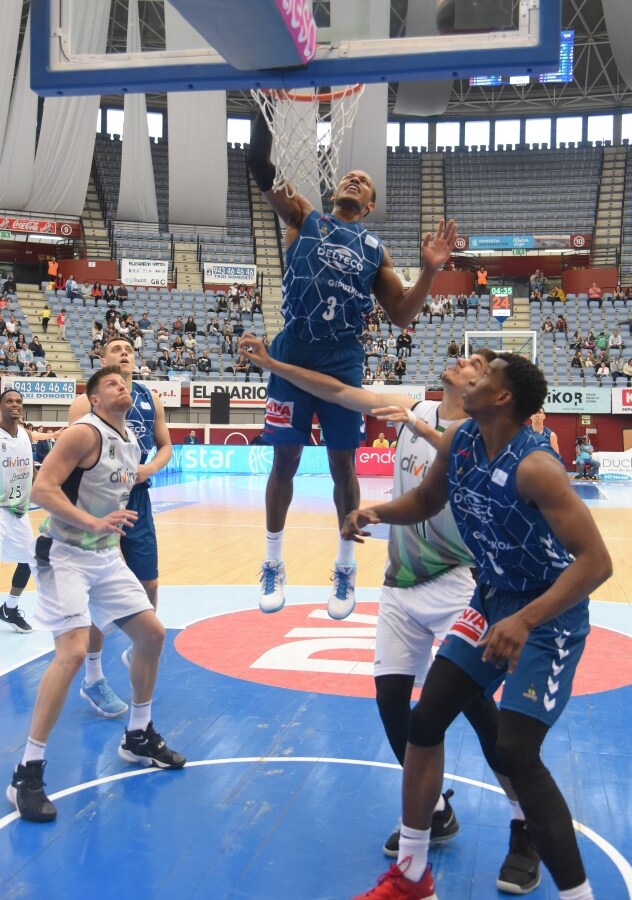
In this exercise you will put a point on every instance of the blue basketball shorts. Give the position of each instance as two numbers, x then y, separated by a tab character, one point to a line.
541	684
290	411
139	546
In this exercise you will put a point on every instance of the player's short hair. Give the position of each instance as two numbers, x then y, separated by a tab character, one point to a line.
487	354
122	337
92	386
526	382
11	390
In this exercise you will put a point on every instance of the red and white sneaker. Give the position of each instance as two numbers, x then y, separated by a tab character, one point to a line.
394	885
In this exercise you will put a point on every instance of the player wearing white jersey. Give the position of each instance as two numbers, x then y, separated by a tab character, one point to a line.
16	480
427	583
85	483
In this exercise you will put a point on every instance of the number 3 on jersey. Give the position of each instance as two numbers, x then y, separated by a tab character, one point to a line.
330	312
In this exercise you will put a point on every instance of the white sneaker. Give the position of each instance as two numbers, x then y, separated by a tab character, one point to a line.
342	600
271	596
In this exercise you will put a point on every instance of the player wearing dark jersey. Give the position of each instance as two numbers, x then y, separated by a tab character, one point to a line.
146	419
538	427
334	264
539	554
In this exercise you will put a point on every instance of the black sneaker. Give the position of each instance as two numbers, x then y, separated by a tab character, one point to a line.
520	871
149	749
444	826
26	792
15	618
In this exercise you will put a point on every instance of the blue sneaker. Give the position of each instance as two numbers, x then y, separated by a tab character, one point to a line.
102	698
342	599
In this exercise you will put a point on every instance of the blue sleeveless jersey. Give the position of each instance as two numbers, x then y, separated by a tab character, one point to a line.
331	267
140	418
511	542
546	432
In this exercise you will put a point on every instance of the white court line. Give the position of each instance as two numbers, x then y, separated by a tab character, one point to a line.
617	859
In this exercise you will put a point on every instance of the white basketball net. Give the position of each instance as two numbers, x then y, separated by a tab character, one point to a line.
307	131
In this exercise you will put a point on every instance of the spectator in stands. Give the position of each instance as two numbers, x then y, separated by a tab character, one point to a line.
388	364
254	369
31	371
233	291
178	344
3	324
61	323
72	289
37	350
121	325
86	293
264	340
241	364
617	294
616	369
256	307
96	293
97	331
589	343
472	301
213	326
380	441
10	353
48	372
595	295
577	340
44	315
204	363
391	343
109	294
436	309
238	329
178	326
190	361
602	341
561	326
556	294
191	438
577	362
615	342
481	281
461	305
587	467
379	375
121	294
144	324
392	378
10	288
404	343
12	327
367	378
178	363
110	315
137	339
60	282
447	306
535	297
25	356
144	368
227	344
400	368
548	327
190	341
163	338
164	361
589	360
453	350
3	358
537	281
190	327
95	354
627	371
222	303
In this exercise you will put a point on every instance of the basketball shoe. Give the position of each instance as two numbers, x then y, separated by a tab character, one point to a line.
145	746
443	827
271	595
26	792
520	871
394	885
15	618
102	698
342	599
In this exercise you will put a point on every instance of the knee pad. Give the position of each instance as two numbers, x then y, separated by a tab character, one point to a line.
21	576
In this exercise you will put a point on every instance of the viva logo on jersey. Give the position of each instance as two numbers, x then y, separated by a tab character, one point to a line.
470	626
279	413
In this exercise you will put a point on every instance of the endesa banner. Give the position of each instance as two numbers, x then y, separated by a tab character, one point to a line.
145	272
218	273
372	461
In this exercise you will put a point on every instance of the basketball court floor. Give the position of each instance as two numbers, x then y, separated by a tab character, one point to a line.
290	787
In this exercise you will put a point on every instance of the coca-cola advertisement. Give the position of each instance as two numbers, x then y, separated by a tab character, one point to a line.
40	226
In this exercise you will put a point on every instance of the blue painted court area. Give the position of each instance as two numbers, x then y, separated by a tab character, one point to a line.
290	788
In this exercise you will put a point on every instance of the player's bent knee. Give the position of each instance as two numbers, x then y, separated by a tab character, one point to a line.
21	576
423	729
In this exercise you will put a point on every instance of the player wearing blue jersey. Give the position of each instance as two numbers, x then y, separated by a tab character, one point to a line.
334	265
539	555
139	546
538	427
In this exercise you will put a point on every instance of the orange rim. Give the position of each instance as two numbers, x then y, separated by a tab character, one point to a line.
324	97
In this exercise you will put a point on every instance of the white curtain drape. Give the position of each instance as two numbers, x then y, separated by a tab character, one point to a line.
618	15
364	144
68	130
18	149
198	161
9	35
422	98
137	195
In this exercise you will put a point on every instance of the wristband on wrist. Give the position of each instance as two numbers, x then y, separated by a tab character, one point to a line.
412	419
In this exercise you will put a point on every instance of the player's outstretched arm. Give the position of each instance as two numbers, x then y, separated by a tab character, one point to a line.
164	448
322	386
407	416
543	483
416	505
402	305
291	209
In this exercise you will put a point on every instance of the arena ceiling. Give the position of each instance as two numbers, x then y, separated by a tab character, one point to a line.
597	85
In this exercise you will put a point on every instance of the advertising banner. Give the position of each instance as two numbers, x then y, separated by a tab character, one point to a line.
219	273
41	226
622	400
615	466
170	392
577	399
523	242
145	272
59	391
242	393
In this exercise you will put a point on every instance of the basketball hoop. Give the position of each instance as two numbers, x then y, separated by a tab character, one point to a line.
307	128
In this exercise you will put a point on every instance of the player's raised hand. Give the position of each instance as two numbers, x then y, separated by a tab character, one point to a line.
252	347
355	523
391	414
436	250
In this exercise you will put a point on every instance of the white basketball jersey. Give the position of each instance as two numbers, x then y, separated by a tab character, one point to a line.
16	471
